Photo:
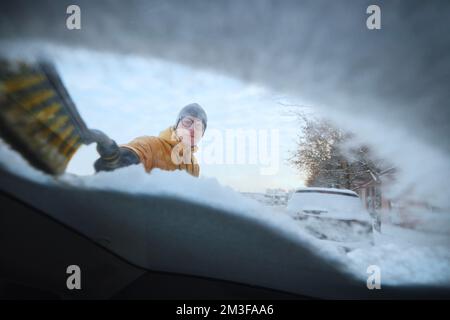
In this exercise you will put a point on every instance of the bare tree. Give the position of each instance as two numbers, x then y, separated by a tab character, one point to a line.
324	154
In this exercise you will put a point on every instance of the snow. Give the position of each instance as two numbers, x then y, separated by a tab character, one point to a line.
401	254
402	263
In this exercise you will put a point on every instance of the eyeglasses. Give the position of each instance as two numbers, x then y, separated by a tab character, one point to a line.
187	123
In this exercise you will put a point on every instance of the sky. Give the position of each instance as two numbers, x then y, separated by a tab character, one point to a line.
128	96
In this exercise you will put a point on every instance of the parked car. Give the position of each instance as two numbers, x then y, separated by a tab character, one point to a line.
332	215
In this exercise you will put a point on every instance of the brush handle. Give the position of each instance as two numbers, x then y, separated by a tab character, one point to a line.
107	148
111	155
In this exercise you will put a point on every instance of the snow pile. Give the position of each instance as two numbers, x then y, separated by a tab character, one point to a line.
406	256
205	191
401	264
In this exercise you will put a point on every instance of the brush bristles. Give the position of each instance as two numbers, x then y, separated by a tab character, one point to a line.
36	118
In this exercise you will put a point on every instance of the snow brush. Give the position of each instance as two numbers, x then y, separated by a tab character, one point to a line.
38	118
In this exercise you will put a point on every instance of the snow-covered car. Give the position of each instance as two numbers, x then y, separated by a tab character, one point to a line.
333	215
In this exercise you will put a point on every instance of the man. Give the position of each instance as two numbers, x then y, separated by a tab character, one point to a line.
172	150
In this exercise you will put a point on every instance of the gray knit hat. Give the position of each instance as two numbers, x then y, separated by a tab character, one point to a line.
193	110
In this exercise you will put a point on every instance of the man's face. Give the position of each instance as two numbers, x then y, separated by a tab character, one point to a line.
190	129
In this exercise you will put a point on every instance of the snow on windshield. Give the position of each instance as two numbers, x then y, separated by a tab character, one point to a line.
138	62
404	256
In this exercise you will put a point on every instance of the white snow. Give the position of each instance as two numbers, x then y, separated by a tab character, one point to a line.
404	264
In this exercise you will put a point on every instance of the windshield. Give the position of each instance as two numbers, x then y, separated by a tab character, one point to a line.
174	130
